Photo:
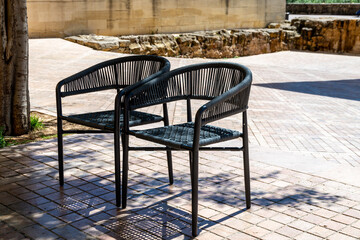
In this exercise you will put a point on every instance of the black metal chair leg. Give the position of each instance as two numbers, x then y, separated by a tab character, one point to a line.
125	140
168	152
194	190
170	167
60	151
117	168
246	161
191	162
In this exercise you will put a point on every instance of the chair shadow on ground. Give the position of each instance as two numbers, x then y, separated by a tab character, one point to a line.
149	217
157	210
345	89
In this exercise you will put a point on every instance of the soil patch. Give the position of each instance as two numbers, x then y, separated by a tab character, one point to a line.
48	131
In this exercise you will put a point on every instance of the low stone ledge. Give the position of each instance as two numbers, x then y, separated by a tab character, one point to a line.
209	44
327	35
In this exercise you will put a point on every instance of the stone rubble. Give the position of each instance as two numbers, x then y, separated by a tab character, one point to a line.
325	35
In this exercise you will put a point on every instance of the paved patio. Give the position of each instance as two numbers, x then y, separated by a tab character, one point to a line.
304	120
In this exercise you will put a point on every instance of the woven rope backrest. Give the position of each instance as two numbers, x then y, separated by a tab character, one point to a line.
134	71
114	74
201	81
92	81
234	104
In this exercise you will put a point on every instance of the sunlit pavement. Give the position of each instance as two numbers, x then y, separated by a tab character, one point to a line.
304	124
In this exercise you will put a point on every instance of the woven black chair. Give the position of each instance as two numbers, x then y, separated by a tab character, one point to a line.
225	85
122	74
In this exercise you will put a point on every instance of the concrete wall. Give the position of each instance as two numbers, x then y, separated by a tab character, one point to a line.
323	8
59	18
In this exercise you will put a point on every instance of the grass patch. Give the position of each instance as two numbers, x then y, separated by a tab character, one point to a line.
43	127
51	136
12	142
36	123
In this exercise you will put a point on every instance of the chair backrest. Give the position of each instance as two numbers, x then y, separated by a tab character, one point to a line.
113	74
229	83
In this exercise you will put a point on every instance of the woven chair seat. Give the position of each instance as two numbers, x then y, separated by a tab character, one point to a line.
105	119
181	136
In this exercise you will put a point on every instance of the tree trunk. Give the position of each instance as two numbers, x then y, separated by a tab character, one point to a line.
14	90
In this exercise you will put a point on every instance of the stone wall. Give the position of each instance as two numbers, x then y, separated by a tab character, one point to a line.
323	8
209	44
335	36
326	35
60	18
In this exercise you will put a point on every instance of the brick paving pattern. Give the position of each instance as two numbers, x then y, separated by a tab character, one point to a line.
286	204
304	120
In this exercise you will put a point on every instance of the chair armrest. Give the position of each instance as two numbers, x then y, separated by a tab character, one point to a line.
216	109
231	102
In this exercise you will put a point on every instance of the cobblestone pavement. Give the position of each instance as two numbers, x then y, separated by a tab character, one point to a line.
304	119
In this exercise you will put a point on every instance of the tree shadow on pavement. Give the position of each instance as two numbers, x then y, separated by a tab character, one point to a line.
155	209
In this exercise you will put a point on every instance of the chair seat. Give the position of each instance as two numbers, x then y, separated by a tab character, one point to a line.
181	136
105	119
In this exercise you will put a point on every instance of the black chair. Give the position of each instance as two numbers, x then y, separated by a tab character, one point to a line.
225	85
122	74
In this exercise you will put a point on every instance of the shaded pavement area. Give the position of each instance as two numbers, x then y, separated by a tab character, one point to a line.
304	126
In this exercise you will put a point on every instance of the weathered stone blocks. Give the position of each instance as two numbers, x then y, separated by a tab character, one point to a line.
327	35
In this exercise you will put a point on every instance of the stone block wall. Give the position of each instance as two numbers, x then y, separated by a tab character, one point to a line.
60	18
208	44
335	36
325	35
323	8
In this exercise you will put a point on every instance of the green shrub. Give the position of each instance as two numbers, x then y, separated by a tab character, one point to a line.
35	123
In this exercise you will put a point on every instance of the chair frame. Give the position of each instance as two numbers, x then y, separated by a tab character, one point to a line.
122	90
242	88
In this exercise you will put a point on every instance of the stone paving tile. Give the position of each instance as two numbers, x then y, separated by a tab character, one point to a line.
270	225
307	236
38	232
351	231
275	236
341	236
320	231
289	231
356	224
69	232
